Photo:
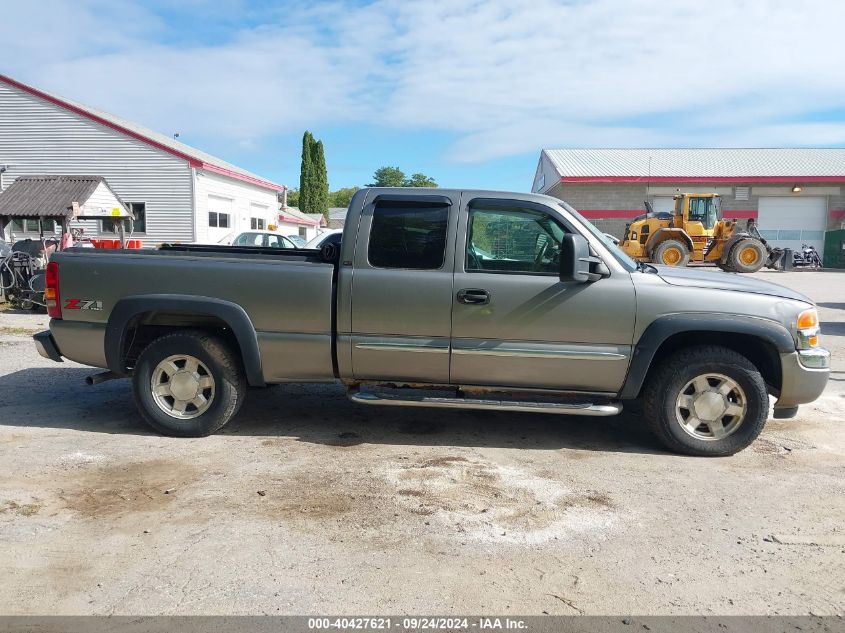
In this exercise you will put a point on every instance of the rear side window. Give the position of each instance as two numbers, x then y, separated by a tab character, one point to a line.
408	236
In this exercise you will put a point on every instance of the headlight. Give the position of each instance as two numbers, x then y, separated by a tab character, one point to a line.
808	329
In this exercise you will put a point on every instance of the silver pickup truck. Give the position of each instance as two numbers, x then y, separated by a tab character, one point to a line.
442	298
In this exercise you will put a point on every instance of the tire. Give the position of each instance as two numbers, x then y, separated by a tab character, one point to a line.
203	365
747	256
671	253
677	382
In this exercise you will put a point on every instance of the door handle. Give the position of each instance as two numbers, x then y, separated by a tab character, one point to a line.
473	296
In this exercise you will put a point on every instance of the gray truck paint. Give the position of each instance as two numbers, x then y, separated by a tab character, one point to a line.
382	325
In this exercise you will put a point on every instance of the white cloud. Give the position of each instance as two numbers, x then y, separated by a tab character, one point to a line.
505	76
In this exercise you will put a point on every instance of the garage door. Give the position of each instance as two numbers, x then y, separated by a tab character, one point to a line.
789	222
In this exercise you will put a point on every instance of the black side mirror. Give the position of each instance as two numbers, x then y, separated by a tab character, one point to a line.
576	261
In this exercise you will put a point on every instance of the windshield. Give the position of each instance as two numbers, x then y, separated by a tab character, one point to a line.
629	264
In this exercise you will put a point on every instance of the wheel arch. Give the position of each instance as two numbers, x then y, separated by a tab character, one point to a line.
663	234
759	340
190	312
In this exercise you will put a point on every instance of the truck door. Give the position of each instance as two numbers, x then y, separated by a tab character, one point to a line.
402	289
514	323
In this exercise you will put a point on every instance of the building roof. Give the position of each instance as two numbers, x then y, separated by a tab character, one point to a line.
197	158
48	196
337	213
292	214
698	165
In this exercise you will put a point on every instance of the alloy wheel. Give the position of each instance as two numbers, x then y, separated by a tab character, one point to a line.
711	407
182	386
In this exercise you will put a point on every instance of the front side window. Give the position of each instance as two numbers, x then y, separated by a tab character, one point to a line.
279	241
512	240
411	236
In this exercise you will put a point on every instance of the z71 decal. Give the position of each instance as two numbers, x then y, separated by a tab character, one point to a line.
83	304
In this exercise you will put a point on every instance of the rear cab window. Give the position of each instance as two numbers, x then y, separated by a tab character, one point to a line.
408	236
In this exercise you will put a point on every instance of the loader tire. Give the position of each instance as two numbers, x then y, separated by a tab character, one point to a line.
671	253
747	256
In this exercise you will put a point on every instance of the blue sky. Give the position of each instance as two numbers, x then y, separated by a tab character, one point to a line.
467	91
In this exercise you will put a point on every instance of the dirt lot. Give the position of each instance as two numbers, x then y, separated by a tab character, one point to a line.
310	504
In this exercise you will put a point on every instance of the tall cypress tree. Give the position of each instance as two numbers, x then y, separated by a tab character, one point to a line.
320	194
306	171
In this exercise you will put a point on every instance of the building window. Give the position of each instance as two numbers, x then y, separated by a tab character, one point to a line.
412	236
31	226
257	224
303	231
218	220
138	211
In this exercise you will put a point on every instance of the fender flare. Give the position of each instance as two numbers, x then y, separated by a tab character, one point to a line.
652	240
233	315
664	327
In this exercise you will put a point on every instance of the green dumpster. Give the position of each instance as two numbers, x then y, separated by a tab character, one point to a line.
834	249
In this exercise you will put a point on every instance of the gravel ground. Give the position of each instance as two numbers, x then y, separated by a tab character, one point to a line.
310	504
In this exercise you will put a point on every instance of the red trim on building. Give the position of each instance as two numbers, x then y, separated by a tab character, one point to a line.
192	161
740	214
672	179
296	220
610	213
836	214
605	214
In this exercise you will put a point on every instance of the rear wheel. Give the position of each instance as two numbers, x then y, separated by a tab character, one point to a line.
747	256
706	401
188	384
671	253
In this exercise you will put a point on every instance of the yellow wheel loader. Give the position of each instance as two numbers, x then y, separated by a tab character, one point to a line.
695	231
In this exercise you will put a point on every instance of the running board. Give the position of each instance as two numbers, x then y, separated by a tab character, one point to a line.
488	405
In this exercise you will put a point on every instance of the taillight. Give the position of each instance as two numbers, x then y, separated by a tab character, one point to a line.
51	291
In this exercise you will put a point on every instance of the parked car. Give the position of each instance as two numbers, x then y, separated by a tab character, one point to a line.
298	240
266	239
333	236
503	301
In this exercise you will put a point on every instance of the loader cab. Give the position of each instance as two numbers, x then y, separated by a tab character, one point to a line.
699	212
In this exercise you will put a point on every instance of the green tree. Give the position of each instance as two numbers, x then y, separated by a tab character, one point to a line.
293	197
306	172
342	197
388	177
320	194
420	180
313	178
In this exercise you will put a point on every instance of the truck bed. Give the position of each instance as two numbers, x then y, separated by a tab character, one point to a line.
287	295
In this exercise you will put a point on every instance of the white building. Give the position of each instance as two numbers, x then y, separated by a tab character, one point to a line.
175	192
292	221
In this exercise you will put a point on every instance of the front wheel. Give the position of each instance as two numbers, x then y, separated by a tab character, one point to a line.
671	253
706	401
188	384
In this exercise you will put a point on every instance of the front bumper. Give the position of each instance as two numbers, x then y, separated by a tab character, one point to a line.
804	376
46	346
